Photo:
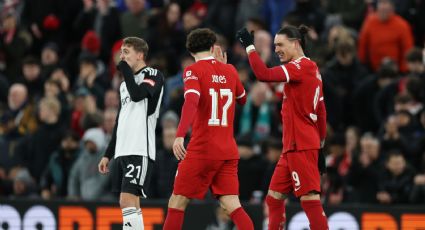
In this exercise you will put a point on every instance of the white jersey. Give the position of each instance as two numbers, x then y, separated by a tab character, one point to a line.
137	118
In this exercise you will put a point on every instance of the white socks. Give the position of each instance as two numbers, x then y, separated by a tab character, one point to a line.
132	219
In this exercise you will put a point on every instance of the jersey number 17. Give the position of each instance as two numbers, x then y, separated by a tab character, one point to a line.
214	121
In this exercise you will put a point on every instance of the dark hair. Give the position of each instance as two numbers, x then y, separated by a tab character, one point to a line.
30	60
295	33
200	40
72	135
414	55
138	44
394	153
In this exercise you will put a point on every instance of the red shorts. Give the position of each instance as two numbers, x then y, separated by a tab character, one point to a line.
296	172
195	176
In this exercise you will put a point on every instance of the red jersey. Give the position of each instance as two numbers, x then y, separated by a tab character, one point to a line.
303	112
301	96
218	87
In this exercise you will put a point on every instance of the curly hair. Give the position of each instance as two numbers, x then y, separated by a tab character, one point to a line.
200	40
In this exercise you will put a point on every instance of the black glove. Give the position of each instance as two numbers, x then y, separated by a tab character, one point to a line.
244	37
321	162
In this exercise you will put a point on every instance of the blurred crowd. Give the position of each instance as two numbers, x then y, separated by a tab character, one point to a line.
59	98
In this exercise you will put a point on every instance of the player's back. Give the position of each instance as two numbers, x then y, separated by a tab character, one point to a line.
212	129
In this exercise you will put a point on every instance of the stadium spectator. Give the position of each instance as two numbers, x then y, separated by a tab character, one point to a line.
31	78
363	176
396	182
34	150
54	181
384	34
85	183
134	22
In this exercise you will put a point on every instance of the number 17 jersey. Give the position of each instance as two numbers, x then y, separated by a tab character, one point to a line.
218	86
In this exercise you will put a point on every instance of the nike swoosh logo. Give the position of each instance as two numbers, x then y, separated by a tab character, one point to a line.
296	189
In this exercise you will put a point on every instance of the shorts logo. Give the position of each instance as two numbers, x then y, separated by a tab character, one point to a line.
188	73
133	181
297	188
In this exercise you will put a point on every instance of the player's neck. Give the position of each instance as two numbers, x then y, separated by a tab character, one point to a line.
202	55
298	56
140	66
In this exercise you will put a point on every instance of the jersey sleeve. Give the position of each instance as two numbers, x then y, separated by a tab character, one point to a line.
153	81
262	72
292	71
191	82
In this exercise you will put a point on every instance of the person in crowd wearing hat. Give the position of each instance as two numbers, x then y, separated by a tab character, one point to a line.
84	181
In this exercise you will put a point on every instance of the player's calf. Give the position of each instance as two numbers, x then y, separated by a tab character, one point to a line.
238	215
314	211
276	206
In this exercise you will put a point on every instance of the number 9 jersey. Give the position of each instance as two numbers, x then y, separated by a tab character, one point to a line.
218	87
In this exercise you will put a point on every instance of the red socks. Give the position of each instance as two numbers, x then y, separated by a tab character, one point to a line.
315	214
241	219
174	220
276	213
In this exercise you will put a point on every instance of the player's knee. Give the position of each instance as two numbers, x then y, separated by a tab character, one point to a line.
277	195
229	203
128	200
311	196
178	202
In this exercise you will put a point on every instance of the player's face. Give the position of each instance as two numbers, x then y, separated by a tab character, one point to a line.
284	48
131	56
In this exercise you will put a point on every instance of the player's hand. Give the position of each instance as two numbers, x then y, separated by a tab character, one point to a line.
103	165
245	38
219	55
125	69
178	148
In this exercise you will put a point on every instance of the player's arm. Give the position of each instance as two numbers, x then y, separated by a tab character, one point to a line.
149	86
261	71
191	100
110	150
190	107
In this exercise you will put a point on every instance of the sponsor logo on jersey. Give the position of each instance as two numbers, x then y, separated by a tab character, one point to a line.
190	78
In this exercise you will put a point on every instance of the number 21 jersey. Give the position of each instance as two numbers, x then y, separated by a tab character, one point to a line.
218	86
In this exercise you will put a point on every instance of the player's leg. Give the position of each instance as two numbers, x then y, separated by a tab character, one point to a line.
280	185
135	176
175	215
189	184
306	178
225	186
130	207
232	205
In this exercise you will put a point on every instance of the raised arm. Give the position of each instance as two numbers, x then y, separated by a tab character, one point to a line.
150	84
261	71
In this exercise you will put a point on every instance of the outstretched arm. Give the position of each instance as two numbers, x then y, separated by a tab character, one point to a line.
261	71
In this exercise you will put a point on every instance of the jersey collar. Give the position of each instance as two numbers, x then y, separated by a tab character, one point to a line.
207	58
